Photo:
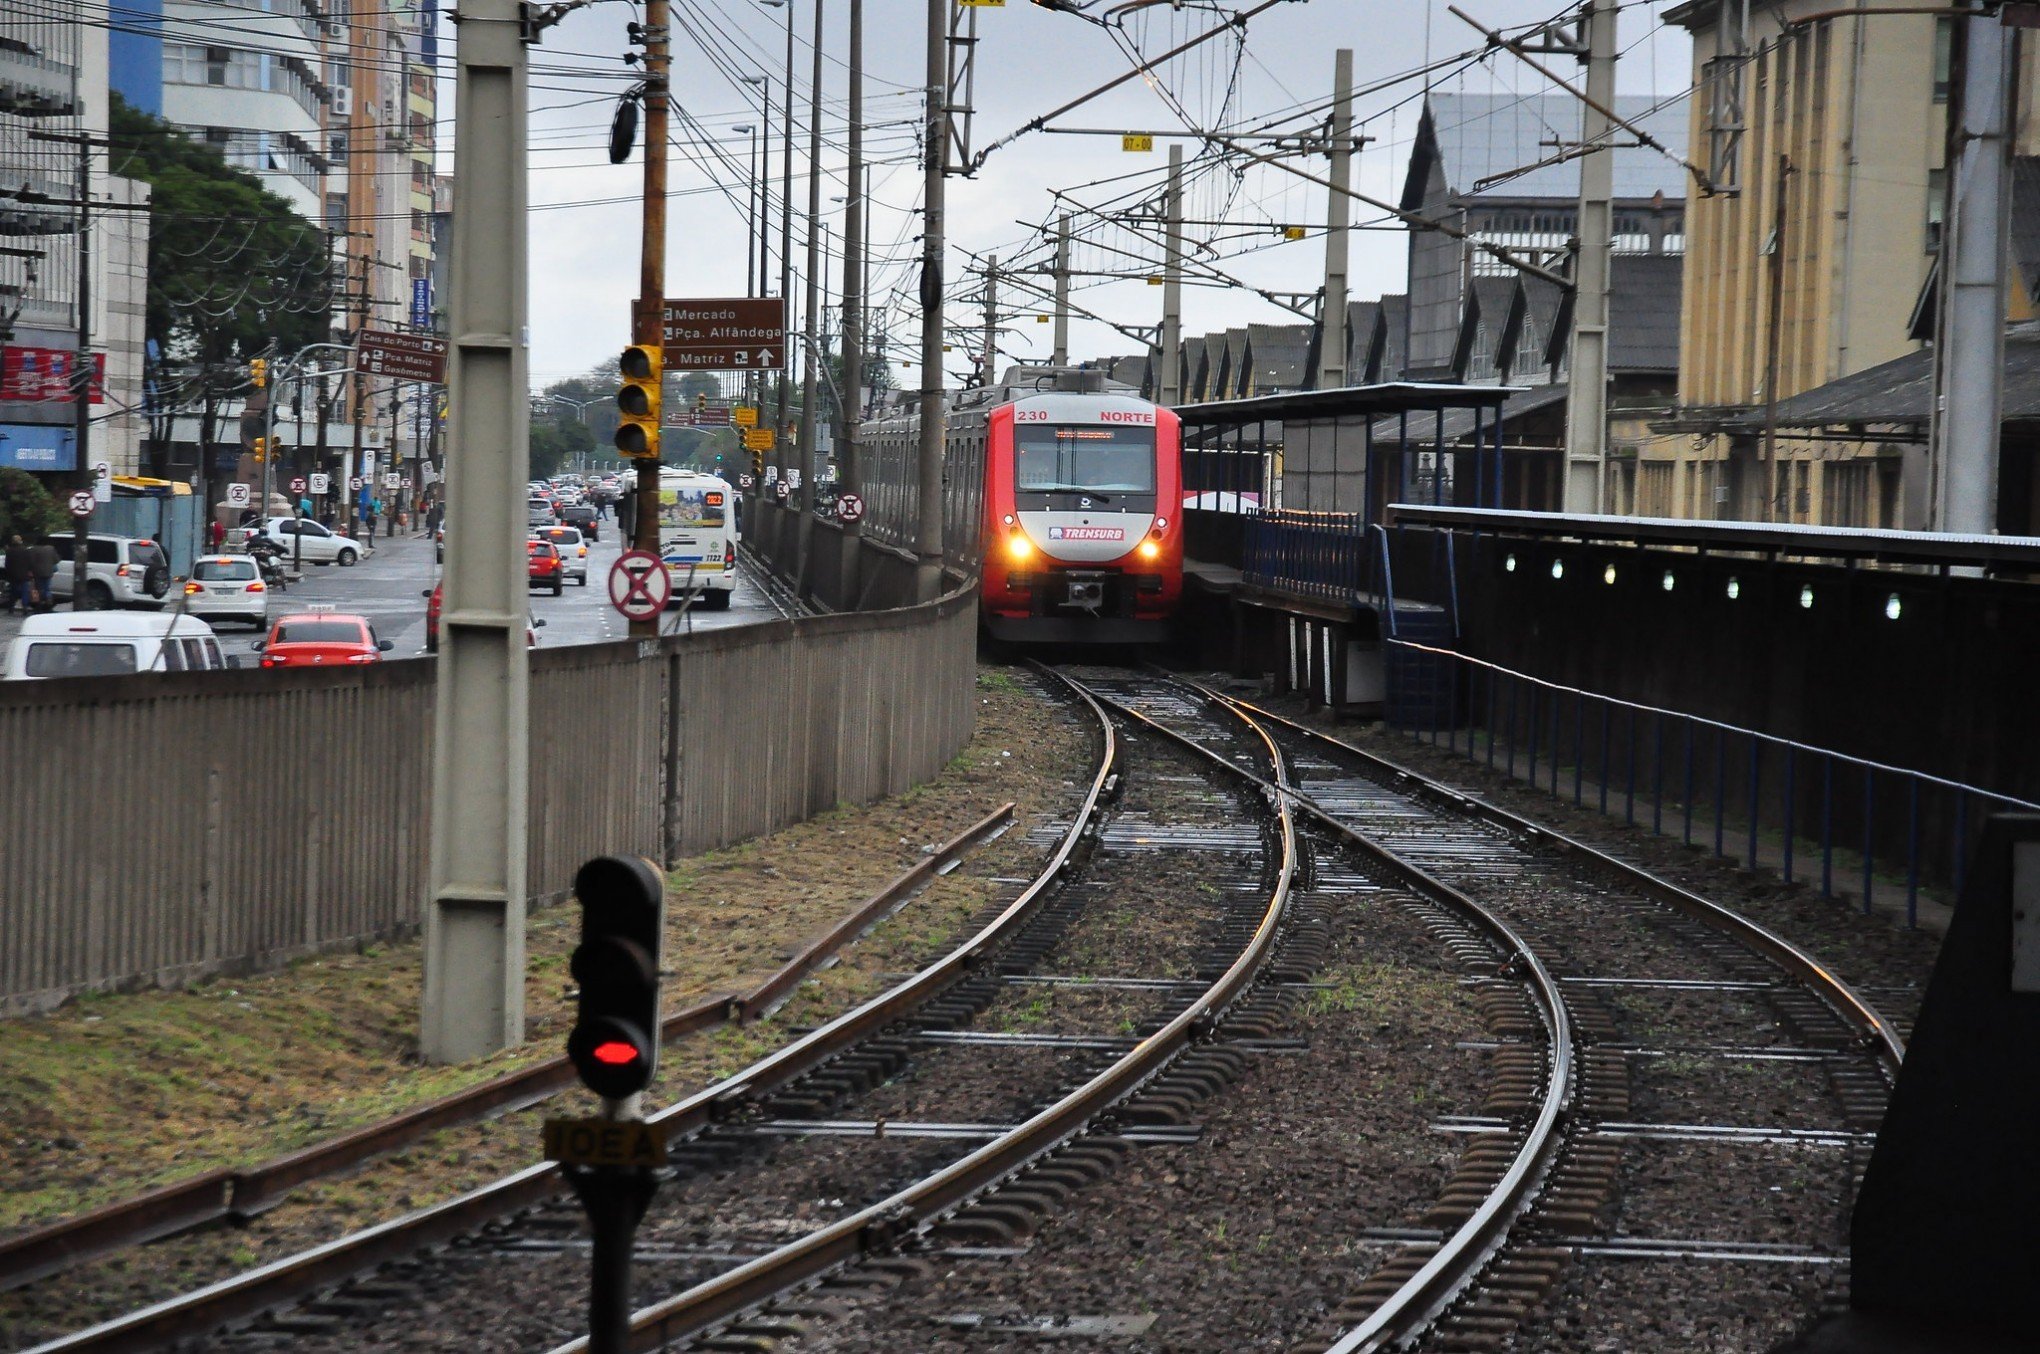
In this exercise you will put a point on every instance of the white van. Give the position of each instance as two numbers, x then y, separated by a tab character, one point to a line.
107	643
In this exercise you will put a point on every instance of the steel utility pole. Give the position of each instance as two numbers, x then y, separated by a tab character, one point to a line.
1062	291
82	372
1332	319
935	145
990	358
647	325
853	309
474	913
1969	359
1586	406
356	464
803	494
1169	376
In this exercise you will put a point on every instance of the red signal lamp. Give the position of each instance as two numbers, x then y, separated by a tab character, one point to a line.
614	1053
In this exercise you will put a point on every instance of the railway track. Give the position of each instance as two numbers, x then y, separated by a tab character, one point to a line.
1656	991
951	1117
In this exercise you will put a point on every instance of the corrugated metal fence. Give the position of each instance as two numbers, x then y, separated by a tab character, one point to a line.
170	826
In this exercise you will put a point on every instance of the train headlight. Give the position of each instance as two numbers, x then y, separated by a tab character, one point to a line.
1018	546
1149	550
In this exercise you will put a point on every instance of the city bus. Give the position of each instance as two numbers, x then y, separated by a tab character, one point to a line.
698	532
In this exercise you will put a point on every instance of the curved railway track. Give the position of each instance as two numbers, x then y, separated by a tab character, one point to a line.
1602	986
1550	1197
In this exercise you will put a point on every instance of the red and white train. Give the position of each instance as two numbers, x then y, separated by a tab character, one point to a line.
1066	501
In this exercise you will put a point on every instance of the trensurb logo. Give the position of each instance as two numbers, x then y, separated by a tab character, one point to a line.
1086	534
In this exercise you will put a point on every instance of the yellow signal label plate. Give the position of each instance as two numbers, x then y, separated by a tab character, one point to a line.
605	1142
1136	142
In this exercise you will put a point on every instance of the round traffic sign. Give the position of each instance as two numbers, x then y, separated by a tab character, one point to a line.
745	481
849	507
781	490
82	503
297	484
355	484
237	495
639	586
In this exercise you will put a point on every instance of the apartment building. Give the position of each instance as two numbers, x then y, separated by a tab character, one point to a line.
1823	132
53	83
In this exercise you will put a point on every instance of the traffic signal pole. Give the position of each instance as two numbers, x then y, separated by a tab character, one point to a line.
648	317
847	473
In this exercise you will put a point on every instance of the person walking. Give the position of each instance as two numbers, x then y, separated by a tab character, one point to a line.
18	575
217	535
42	567
368	518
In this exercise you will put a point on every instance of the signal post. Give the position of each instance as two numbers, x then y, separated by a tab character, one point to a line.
647	321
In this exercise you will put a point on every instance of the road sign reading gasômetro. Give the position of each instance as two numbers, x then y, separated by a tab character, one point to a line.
407	357
738	333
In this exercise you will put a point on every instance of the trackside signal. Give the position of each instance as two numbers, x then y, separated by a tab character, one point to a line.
637	400
615	1042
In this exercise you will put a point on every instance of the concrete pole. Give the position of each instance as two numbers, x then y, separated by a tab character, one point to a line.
935	137
1062	292
82	372
811	313
1586	407
647	320
1332	320
1169	377
1969	359
474	912
780	421
989	349
853	307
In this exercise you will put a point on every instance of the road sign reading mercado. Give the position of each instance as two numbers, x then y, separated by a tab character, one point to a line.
408	357
741	333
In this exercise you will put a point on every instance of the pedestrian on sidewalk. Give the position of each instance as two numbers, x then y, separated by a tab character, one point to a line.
18	575
217	535
42	567
368	518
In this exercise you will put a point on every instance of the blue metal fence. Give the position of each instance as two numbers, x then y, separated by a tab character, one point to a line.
1768	801
1312	554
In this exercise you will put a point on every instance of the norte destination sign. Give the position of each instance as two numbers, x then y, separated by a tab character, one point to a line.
740	333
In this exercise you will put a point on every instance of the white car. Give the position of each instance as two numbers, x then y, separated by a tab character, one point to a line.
227	588
320	546
120	571
110	643
573	548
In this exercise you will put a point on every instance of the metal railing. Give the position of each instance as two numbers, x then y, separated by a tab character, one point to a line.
1807	812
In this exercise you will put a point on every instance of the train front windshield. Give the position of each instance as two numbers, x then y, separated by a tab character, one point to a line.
1088	460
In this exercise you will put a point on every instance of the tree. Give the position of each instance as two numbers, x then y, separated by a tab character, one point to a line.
27	509
232	268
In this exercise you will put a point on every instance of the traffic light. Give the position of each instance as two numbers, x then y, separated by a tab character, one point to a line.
260	450
637	401
615	1042
701	402
757	466
258	371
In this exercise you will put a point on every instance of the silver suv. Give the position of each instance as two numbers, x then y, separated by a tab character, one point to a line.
120	571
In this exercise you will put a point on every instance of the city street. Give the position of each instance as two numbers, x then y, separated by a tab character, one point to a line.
388	588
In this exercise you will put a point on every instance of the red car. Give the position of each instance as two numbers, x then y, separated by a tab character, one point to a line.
318	639
545	567
436	593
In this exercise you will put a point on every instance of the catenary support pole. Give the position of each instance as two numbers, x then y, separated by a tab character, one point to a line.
933	419
1169	373
1969	360
847	473
1338	211
1062	291
647	321
988	355
811	314
474	912
1586	407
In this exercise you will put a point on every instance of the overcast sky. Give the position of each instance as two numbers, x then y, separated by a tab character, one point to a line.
584	257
